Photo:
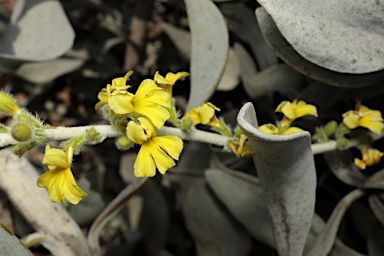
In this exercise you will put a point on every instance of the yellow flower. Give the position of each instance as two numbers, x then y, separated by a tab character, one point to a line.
156	151
117	96
364	117
239	148
151	101
169	80
295	109
58	180
371	156
272	129
205	114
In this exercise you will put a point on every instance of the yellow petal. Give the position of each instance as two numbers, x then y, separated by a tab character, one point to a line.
121	81
350	119
171	144
268	128
172	78
55	157
162	160
374	126
157	114
292	130
305	110
371	156
121	103
60	184
194	114
206	113
364	109
150	129
149	92
359	163
103	97
287	108
136	133
144	165
159	79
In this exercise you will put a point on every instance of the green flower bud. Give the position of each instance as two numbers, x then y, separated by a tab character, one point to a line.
186	124
124	143
8	105
20	150
92	135
342	142
330	128
21	132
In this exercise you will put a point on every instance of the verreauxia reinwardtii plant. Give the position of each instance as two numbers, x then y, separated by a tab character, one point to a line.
140	118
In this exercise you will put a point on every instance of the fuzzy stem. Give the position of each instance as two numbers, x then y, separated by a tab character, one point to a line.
107	131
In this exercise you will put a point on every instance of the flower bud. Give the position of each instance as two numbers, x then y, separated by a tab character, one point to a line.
124	143
8	105
342	142
92	135
330	128
186	124
21	132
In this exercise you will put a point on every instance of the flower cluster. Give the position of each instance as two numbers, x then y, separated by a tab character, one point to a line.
291	111
140	114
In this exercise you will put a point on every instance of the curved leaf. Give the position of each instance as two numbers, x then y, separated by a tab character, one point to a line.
209	49
213	229
39	31
286	52
287	175
242	22
327	237
342	36
246	202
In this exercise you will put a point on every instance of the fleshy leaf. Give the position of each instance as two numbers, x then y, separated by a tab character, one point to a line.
210	47
327	237
20	43
287	174
288	54
10	244
341	36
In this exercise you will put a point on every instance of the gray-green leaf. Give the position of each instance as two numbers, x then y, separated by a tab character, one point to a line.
287	174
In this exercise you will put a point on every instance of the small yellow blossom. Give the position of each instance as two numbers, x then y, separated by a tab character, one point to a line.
149	100
371	156
295	109
169	80
239	148
59	180
156	151
8	105
117	96
272	129
364	117
204	114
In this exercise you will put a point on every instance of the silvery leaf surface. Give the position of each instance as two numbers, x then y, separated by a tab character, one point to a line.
210	46
342	36
39	31
10	244
289	55
287	174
